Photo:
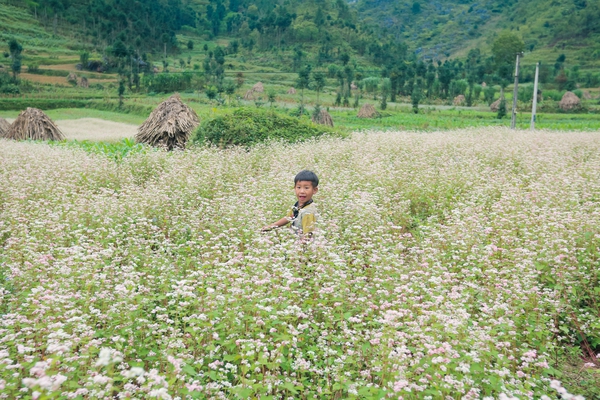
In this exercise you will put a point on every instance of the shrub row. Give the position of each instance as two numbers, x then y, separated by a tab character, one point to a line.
51	104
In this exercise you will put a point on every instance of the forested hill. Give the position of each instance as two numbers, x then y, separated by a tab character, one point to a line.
380	33
145	24
323	30
441	28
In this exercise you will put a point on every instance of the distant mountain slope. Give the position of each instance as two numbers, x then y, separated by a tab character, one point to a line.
441	28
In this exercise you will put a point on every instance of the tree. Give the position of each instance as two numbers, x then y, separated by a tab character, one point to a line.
297	58
302	83
344	58
229	88
84	58
415	96
15	50
271	95
319	83
502	107
211	92
119	49
190	45
121	92
561	80
385	90
505	49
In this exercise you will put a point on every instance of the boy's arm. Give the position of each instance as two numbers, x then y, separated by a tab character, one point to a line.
283	221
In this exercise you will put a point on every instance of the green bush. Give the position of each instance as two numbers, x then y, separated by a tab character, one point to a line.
553	95
526	93
33	68
9	89
247	127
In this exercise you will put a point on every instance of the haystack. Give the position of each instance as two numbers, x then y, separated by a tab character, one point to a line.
169	126
84	83
483	84
33	124
258	88
291	91
569	102
323	118
72	78
367	111
459	100
495	105
353	86
4	127
587	95
249	95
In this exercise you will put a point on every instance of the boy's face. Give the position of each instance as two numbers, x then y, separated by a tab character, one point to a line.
304	191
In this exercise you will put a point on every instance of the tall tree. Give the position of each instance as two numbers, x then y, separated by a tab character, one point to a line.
319	83
302	83
505	49
15	50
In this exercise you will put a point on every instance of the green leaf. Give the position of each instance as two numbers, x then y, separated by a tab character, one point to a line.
243	393
188	369
290	386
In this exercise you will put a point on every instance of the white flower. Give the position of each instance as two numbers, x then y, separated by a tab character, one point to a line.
103	357
160	393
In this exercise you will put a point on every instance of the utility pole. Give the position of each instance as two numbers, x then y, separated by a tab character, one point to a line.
535	92
513	121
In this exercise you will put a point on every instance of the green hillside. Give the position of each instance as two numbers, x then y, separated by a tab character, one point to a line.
341	53
294	32
449	28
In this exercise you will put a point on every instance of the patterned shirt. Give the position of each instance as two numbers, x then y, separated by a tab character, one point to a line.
303	219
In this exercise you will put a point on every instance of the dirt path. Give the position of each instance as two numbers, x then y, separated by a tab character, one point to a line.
96	129
93	129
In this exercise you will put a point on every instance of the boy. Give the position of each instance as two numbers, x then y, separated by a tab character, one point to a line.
303	214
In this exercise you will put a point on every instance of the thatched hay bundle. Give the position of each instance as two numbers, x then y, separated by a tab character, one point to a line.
495	105
323	118
367	111
169	126
587	95
258	88
459	100
291	91
4	127
72	78
33	124
249	95
483	84
84	83
569	101
353	86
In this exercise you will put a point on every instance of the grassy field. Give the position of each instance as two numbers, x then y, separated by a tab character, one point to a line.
396	117
458	264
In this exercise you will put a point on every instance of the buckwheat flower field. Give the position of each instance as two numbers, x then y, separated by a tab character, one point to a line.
446	265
